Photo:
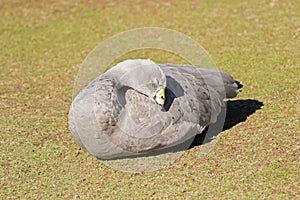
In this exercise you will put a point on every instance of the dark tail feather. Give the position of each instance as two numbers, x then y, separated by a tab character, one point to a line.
239	84
231	86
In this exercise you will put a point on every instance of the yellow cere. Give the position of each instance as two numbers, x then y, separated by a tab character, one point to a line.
160	96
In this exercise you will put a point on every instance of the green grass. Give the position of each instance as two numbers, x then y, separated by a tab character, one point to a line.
42	46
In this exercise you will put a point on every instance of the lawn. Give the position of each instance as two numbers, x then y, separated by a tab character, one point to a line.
43	44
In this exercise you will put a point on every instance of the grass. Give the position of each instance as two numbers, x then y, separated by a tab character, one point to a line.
42	46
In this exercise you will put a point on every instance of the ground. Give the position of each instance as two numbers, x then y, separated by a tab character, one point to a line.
43	44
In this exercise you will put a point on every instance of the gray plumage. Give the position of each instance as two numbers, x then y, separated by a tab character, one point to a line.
116	114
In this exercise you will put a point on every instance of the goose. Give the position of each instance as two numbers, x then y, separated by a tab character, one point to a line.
139	106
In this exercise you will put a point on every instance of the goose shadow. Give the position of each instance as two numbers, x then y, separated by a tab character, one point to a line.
235	112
